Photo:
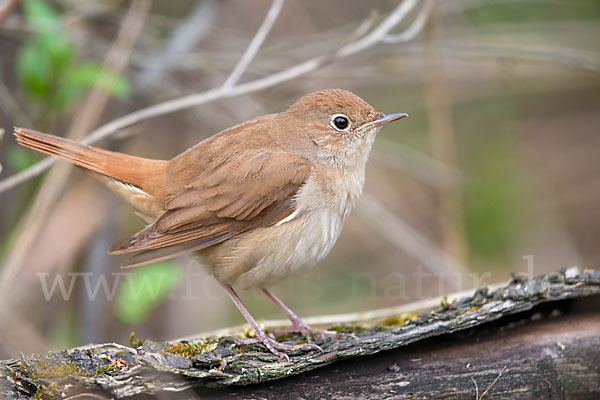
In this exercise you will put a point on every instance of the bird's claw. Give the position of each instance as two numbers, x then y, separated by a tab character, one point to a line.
274	346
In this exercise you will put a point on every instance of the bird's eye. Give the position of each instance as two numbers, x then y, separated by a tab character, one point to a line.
340	122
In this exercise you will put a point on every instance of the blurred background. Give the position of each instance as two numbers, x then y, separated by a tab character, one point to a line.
494	173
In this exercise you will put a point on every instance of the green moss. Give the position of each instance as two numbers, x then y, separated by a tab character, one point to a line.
46	392
50	372
104	369
133	342
190	349
62	371
400	319
444	302
39	392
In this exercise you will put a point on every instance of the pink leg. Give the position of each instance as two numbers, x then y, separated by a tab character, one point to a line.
297	324
261	336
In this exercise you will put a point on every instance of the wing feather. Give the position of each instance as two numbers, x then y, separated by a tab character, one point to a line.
254	191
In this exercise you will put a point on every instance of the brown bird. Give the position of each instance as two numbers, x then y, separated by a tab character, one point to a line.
255	202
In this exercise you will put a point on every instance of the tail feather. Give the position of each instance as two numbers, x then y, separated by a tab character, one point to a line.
143	173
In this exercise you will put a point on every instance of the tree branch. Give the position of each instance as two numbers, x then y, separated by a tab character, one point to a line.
255	44
415	27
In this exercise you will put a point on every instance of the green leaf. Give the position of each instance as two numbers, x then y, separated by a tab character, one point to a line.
58	49
39	12
83	76
44	58
45	67
56	45
142	290
90	74
34	71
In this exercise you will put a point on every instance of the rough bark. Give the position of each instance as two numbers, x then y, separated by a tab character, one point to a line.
528	329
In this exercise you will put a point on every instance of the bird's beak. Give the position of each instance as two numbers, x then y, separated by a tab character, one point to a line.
382	119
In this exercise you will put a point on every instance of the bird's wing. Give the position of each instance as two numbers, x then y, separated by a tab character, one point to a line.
252	191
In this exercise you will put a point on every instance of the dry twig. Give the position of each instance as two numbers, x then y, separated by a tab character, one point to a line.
477	397
255	44
415	28
181	41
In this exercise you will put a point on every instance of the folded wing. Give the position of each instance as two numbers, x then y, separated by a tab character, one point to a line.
222	202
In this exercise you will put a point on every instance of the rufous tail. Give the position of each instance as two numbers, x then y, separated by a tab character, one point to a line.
143	173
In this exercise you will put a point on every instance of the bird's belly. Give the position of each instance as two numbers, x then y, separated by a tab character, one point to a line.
264	256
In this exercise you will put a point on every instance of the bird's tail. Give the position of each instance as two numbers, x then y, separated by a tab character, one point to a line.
141	172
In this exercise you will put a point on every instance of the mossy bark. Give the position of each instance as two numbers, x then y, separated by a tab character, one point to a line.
215	362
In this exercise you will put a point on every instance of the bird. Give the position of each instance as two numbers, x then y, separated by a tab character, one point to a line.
253	203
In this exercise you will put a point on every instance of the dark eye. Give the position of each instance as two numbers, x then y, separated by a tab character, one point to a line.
340	122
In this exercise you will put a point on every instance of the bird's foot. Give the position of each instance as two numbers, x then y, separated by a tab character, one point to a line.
274	346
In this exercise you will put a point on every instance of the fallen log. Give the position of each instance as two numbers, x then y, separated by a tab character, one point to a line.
536	338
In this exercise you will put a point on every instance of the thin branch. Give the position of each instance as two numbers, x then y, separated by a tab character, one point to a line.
377	34
492	384
374	37
255	44
26	174
363	28
476	389
181	41
415	27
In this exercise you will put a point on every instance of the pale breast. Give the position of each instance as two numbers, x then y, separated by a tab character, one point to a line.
267	255
264	256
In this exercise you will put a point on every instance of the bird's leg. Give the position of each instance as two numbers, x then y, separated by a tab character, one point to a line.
261	336
298	325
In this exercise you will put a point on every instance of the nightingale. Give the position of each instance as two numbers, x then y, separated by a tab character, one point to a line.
254	203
